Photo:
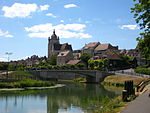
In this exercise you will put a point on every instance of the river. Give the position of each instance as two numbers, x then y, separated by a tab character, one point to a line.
73	98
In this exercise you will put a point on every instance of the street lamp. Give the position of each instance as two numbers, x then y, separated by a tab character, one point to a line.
8	54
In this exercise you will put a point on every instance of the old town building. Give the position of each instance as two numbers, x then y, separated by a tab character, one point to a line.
54	46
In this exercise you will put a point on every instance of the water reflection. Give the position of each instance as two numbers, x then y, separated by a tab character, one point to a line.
70	99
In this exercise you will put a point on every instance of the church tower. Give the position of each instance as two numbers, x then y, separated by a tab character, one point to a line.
53	42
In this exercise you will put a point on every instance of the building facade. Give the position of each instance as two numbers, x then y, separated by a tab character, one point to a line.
64	57
54	46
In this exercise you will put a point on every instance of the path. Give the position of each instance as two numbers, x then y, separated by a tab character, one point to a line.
140	105
131	73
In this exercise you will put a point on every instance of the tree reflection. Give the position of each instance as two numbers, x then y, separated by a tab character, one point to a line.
84	96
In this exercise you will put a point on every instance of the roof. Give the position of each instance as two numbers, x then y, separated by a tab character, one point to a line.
74	61
64	53
102	47
62	47
91	44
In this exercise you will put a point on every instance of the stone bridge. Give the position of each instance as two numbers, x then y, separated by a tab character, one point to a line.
93	76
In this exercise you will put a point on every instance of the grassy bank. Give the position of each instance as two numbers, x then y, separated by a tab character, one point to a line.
111	105
118	81
22	79
26	83
111	83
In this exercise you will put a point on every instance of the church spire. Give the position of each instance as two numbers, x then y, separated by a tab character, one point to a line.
54	31
54	36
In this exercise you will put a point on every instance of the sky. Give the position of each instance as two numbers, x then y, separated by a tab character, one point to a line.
25	25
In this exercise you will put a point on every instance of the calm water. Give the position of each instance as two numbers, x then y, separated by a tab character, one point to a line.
70	99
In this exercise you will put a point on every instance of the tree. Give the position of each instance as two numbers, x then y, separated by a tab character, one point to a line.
53	60
85	57
141	12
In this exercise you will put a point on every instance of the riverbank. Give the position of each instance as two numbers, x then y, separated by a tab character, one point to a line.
32	88
114	105
118	81
25	84
113	83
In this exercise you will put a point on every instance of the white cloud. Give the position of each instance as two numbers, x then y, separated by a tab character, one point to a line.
19	10
22	10
87	22
40	28
44	7
3	59
63	30
51	15
70	5
62	21
131	27
5	34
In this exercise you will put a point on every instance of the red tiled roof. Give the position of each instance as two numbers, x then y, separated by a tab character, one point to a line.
74	61
102	47
91	44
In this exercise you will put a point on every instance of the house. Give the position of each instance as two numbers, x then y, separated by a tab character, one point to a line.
64	57
89	48
104	48
108	56
76	54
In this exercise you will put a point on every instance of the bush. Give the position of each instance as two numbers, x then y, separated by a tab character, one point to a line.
142	70
98	64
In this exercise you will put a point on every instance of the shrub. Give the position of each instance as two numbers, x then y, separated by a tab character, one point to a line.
142	70
98	64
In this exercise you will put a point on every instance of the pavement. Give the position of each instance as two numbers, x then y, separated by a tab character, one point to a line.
130	72
140	105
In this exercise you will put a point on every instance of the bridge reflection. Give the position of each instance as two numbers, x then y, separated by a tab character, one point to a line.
92	76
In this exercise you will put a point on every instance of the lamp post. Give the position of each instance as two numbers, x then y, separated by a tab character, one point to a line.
8	54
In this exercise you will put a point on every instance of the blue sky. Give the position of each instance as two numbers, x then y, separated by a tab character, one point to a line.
25	25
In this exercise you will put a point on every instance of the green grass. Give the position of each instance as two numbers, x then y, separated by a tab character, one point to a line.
111	105
118	81
26	83
142	70
20	75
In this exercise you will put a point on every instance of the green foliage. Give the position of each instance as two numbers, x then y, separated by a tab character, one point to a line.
80	66
85	57
3	66
20	75
125	58
26	83
110	105
53	60
98	64
144	45
142	70
113	84
42	64
117	64
141	12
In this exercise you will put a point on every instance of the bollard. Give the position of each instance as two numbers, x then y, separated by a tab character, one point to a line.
124	95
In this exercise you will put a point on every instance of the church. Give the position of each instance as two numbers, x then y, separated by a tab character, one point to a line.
54	46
